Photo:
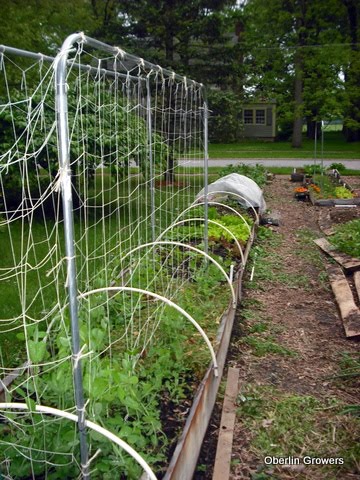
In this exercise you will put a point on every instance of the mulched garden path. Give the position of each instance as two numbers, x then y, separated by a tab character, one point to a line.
304	320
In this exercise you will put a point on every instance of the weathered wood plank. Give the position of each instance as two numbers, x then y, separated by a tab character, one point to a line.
357	283
348	263
225	440
350	314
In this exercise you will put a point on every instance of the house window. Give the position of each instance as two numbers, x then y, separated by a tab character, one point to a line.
248	116
260	117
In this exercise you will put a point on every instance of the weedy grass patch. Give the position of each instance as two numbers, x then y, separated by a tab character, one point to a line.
268	265
283	425
261	346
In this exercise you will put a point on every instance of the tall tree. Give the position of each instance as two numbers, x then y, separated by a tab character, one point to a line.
283	57
42	25
176	34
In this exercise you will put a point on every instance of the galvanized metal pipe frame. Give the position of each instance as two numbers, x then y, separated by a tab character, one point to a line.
61	62
65	178
40	56
184	460
67	201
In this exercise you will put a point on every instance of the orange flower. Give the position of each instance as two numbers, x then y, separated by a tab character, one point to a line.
315	187
301	190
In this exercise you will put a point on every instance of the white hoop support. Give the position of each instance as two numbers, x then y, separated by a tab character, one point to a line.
194	205
189	247
186	220
168	302
93	426
236	195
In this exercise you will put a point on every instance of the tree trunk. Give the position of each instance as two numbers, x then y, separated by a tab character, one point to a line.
169	48
298	100
351	128
169	175
301	29
313	127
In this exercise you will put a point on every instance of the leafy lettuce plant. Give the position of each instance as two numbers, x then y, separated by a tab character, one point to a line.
347	238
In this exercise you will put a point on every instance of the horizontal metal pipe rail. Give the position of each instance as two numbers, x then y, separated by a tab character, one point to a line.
88	68
116	51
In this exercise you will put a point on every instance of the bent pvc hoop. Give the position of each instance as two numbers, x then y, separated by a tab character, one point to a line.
186	220
189	247
168	302
236	195
93	426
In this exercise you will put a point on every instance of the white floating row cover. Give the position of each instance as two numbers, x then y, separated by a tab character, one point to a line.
239	185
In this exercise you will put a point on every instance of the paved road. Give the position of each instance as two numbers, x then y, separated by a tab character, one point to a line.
271	162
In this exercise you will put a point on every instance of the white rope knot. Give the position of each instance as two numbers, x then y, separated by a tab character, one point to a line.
87	464
120	52
160	70
41	60
83	37
62	175
23	80
80	43
98	73
81	412
128	80
63	53
78	356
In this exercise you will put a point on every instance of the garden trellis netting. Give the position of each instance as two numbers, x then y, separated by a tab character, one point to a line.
94	294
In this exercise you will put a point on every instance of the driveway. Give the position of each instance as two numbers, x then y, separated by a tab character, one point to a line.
271	162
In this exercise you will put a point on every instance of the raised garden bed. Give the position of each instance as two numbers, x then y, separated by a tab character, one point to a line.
183	461
116	393
328	190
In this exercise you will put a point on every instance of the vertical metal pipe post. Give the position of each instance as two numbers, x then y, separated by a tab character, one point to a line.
66	190
322	153
315	144
151	164
206	178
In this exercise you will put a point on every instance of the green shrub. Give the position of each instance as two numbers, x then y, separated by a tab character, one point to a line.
225	122
314	169
340	167
255	172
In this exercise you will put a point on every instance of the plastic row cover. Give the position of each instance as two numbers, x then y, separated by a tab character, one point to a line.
239	185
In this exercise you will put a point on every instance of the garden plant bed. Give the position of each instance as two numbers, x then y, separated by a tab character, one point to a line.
332	179
180	356
296	365
183	462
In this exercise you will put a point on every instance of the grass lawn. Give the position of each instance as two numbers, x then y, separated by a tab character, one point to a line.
335	148
32	288
215	172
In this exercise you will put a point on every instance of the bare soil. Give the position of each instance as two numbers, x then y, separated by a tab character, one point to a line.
306	321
